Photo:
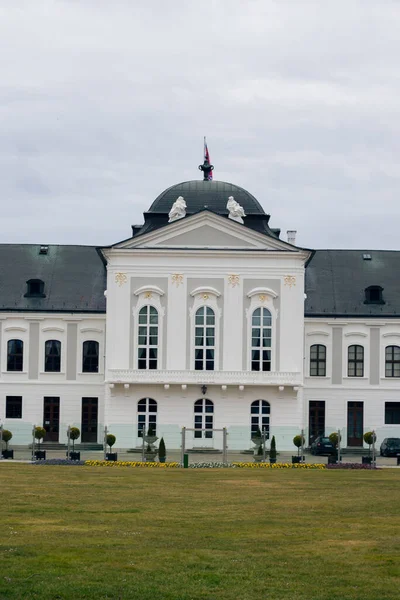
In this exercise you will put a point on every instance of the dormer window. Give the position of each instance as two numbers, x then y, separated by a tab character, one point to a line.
373	295
35	289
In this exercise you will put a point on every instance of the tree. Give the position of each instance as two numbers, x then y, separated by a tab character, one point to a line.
7	435
162	453
74	434
272	451
334	438
40	432
110	440
298	441
369	438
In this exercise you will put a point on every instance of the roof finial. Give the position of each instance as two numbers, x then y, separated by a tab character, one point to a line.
206	167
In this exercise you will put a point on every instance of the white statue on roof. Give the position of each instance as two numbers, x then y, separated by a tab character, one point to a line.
236	212
178	210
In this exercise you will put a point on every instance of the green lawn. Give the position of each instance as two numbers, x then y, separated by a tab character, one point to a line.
85	532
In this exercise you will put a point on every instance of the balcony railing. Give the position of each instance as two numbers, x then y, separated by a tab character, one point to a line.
204	377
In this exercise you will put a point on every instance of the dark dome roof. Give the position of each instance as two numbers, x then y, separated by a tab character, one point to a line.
200	194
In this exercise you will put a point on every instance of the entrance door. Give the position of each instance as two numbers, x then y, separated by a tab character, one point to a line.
89	419
355	423
316	419
51	418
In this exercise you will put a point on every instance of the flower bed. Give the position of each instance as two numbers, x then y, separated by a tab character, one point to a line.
135	464
350	466
60	461
260	465
203	465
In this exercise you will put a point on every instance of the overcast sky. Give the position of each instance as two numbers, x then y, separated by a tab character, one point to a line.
103	104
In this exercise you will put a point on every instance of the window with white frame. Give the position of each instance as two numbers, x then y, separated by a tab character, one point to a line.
261	340
15	355
355	361
148	338
392	361
318	360
52	356
90	356
147	417
203	418
204	345
260	413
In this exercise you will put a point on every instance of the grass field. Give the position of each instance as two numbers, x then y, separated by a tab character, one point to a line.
93	533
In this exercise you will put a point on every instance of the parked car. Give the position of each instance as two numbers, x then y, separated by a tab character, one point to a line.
390	447
322	445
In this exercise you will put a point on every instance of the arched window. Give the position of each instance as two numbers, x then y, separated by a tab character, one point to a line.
318	360
355	361
261	340
90	357
260	412
148	338
392	361
204	344
15	355
52	356
203	418
147	416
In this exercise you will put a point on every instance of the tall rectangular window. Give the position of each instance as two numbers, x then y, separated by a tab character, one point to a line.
316	419
392	413
392	361
355	366
13	407
148	338
318	360
52	356
15	355
90	357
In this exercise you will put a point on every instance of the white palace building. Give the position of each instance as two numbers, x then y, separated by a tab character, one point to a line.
203	318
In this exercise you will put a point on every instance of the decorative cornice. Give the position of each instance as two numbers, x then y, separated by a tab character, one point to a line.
262	291
356	334
324	333
205	290
149	288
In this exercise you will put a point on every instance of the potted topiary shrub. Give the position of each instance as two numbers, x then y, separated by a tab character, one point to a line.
110	440
40	432
74	434
272	451
162	454
334	439
6	437
298	441
369	438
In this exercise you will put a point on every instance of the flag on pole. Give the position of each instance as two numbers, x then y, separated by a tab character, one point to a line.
207	159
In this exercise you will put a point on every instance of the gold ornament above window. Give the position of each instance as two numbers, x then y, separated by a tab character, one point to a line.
233	280
290	280
177	279
120	278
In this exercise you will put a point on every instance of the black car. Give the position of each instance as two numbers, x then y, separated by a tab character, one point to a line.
390	447
322	445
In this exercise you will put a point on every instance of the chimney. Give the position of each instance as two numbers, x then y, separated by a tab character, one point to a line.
291	236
